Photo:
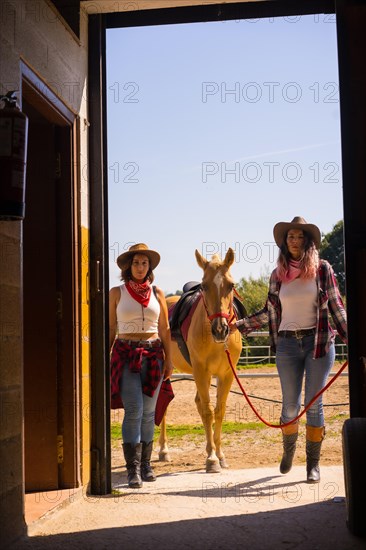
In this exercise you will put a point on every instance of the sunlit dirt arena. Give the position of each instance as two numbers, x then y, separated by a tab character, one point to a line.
254	444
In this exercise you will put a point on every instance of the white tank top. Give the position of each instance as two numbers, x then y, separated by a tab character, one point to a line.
299	304
132	317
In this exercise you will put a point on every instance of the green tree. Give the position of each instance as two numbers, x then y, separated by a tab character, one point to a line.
253	293
332	249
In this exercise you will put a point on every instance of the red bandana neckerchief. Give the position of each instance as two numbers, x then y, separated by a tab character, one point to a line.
140	292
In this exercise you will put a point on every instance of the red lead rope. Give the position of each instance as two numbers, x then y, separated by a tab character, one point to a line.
301	414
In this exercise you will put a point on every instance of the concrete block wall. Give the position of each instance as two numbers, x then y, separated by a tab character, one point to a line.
11	387
32	31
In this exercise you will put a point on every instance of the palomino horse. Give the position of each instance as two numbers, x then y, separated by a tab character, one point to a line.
208	335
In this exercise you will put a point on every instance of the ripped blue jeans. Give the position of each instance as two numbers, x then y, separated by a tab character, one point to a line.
294	359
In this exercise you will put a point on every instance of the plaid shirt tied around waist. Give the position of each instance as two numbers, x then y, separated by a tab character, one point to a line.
122	353
329	302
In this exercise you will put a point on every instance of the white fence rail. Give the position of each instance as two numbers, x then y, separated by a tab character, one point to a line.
266	357
266	354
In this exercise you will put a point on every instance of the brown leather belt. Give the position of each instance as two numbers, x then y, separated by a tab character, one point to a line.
296	333
156	343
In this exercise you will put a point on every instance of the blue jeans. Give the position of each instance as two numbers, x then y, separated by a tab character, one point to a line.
139	419
294	358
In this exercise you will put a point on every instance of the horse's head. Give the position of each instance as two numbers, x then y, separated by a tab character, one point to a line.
217	289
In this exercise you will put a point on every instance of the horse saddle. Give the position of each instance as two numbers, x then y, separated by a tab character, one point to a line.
180	315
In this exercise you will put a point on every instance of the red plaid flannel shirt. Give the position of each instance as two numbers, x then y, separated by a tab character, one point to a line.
329	302
122	352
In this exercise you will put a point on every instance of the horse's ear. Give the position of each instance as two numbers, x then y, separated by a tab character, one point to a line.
202	262
229	258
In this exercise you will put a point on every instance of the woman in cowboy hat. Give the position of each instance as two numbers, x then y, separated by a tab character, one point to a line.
302	293
140	355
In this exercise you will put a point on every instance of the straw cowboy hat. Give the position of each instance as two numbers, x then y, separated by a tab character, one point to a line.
139	248
280	230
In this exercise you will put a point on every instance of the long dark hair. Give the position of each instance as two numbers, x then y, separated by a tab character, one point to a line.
308	262
126	272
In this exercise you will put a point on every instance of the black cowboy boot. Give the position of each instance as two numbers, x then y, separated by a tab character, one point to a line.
314	440
147	472
133	464
289	438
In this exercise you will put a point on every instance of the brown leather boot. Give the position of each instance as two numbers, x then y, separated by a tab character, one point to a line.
314	440
289	438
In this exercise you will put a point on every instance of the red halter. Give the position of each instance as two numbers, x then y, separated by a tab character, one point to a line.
220	314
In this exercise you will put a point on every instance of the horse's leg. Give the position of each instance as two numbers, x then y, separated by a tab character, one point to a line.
206	411
223	388
163	442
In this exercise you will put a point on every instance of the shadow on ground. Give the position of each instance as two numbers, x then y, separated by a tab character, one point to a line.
315	526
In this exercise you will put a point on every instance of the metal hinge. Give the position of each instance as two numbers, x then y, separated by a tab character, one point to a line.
58	166
59	305
60	449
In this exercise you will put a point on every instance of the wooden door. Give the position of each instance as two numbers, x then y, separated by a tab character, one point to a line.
50	268
40	307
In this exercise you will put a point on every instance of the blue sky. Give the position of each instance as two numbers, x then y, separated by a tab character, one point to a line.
217	131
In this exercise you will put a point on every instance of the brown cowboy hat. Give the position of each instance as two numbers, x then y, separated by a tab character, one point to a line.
139	248
281	229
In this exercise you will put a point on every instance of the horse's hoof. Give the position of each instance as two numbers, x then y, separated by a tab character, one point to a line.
164	457
223	463
213	467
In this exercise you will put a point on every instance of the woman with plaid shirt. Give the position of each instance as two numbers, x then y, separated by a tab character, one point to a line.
302	293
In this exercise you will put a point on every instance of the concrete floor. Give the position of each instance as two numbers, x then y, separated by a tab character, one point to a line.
258	509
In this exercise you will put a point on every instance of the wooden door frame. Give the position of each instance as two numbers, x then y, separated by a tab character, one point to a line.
37	93
351	21
98	171
100	478
98	190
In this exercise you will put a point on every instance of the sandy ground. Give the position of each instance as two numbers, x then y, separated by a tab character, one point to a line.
249	448
187	508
